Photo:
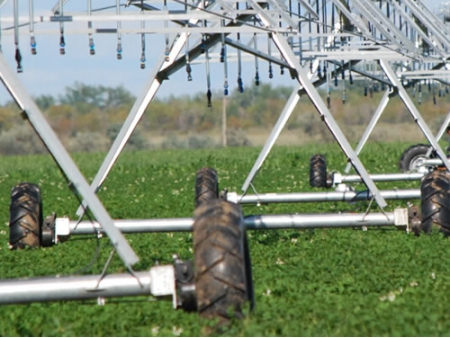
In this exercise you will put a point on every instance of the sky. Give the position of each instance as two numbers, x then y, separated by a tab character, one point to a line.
49	73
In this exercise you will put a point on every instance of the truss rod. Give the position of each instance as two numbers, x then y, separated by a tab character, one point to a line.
257	53
414	111
275	133
422	12
133	118
168	67
374	120
425	36
355	19
385	26
326	115
64	161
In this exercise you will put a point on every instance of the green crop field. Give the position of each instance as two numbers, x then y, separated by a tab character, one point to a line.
330	282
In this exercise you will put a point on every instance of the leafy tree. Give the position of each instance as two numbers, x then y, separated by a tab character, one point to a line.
117	97
45	101
85	97
82	96
136	141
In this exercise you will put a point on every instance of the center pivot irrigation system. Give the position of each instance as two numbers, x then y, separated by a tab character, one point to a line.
395	44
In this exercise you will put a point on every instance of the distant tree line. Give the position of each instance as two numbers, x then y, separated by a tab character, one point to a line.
88	118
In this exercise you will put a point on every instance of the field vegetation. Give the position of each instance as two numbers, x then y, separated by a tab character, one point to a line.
329	282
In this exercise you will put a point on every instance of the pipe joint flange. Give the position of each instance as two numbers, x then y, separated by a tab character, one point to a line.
414	220
232	197
48	237
62	229
185	285
336	178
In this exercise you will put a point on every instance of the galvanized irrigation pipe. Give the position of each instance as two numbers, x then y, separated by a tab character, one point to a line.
256	222
335	196
429	162
48	289
311	221
338	178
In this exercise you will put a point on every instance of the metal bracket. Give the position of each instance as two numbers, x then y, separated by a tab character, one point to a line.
163	282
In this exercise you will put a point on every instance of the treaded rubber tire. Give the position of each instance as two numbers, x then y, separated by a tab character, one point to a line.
25	216
220	272
435	198
410	155
249	273
318	171
206	190
206	186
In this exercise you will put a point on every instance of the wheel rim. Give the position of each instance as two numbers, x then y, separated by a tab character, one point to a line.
415	164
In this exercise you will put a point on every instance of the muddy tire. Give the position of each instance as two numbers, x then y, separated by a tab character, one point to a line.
318	171
220	269
206	186
435	198
249	274
25	216
409	158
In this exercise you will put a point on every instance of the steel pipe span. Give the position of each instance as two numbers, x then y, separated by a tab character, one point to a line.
48	289
253	222
429	162
383	177
302	221
336	196
135	226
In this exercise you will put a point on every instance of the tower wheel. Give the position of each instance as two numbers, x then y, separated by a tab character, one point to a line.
318	171
221	284
206	186
25	216
409	161
435	198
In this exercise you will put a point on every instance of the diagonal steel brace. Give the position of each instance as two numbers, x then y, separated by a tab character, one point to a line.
64	161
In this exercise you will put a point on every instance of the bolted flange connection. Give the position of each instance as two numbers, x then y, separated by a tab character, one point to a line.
185	284
48	231
414	218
